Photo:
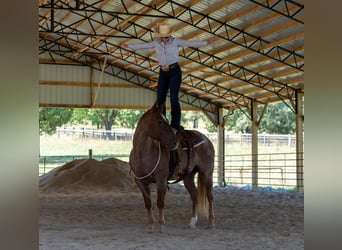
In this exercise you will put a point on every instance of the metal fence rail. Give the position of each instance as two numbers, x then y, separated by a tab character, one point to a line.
276	170
114	134
47	163
127	134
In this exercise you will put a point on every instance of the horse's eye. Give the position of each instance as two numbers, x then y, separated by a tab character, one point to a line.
161	124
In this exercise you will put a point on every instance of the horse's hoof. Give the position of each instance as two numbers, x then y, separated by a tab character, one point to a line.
193	222
191	226
150	229
211	226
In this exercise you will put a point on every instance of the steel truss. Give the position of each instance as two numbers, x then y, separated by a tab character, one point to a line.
287	3
230	33
136	59
72	38
92	60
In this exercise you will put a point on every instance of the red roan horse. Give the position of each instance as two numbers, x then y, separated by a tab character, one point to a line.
150	162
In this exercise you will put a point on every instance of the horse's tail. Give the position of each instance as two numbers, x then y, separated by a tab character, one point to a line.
203	205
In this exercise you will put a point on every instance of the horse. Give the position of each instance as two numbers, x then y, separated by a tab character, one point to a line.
151	161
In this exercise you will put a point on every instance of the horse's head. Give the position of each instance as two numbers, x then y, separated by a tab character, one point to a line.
155	125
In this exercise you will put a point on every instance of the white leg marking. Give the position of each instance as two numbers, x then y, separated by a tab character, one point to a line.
193	222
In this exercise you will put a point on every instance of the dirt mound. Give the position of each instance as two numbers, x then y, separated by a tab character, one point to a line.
88	174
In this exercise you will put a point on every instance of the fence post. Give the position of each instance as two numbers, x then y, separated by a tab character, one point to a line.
44	160
90	153
289	142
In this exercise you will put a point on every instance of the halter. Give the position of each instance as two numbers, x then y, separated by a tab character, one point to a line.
154	169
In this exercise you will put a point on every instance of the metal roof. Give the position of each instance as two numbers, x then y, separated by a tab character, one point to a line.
259	55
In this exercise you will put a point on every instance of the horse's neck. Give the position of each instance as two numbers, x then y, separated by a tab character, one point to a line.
145	150
143	142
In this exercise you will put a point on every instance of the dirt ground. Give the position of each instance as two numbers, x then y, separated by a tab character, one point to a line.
89	205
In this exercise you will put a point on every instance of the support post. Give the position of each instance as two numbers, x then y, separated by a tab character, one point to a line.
91	86
299	141
254	115
220	148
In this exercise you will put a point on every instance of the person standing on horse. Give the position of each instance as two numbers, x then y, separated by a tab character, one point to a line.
170	74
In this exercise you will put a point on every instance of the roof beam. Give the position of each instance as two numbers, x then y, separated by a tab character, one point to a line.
227	32
142	81
292	8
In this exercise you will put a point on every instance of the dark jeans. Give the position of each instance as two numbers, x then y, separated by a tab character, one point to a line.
170	80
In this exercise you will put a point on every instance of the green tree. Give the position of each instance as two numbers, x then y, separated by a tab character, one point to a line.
80	116
190	119
97	117
128	118
196	119
278	119
107	116
51	118
238	122
94	116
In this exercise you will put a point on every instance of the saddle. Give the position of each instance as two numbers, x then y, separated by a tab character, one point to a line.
188	141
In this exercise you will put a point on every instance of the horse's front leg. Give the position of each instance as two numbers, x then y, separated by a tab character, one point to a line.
190	186
146	192
161	192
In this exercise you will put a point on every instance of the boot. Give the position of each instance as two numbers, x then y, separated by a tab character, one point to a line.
174	164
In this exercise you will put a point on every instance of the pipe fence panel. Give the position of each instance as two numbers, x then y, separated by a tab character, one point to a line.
127	134
276	171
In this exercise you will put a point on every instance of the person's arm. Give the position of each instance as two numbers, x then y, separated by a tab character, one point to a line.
197	43
138	45
212	40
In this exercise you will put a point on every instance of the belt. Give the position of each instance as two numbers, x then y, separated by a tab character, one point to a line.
167	68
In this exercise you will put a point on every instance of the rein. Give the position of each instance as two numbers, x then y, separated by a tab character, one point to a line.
154	169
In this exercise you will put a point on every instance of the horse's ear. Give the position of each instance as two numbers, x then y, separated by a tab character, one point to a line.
155	105
161	108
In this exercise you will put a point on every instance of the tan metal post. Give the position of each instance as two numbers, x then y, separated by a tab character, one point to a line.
220	148
299	141
254	114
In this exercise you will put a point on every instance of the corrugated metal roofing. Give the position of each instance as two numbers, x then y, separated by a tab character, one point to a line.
259	55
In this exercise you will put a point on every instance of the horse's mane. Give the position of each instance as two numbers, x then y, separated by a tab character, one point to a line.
160	109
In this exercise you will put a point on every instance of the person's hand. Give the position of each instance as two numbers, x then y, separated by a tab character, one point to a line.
124	45
212	40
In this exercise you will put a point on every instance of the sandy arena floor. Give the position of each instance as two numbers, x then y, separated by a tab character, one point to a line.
87	207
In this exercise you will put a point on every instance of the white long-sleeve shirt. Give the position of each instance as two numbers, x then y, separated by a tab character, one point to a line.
167	54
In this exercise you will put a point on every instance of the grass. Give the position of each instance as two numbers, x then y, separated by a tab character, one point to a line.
76	145
56	150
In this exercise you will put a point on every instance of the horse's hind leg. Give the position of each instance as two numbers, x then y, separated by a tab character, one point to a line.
205	186
209	187
190	186
146	192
